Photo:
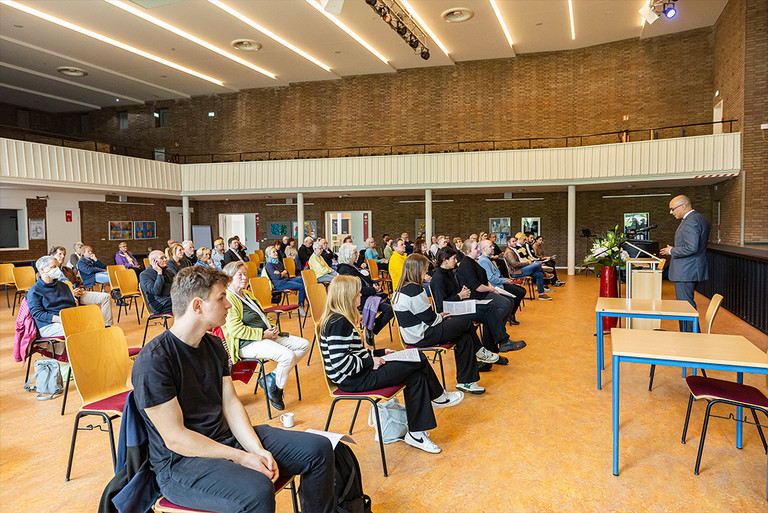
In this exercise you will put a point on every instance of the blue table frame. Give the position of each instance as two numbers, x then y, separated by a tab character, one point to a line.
627	315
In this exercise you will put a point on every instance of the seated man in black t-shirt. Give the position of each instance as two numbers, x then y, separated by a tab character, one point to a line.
202	447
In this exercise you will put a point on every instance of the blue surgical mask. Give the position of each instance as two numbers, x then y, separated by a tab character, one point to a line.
272	260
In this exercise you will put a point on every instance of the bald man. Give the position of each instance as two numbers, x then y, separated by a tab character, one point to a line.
688	263
156	283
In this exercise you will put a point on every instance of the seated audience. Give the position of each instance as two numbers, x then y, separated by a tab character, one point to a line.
171	242
420	248
497	280
125	258
471	275
396	262
537	248
235	251
204	258
82	296
156	283
328	255
280	278
420	326
75	256
353	368
92	270
445	288
48	297
249	333
369	289
317	263
387	251
202	448
407	242
522	268
189	253
177	262
217	254
292	253
305	253
372	254
440	242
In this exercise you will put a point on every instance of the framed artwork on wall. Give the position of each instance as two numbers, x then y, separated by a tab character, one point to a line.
144	230
37	229
120	230
277	229
421	229
635	221
310	230
501	227
531	224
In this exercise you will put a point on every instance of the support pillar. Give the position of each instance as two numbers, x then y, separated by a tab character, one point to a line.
571	230
300	218
428	217
186	220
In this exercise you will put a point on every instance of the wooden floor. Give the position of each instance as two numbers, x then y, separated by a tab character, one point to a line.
538	440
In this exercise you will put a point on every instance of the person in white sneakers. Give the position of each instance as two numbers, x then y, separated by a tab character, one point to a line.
353	368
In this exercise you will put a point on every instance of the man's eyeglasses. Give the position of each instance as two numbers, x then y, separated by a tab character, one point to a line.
672	210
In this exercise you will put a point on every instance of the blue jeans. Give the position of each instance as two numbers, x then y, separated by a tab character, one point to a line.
535	271
296	283
102	277
221	485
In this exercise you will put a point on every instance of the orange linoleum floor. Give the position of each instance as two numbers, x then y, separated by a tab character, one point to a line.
539	440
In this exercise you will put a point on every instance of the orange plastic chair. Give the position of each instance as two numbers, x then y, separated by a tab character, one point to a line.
111	269
262	290
23	278
154	318
290	266
129	292
6	278
316	295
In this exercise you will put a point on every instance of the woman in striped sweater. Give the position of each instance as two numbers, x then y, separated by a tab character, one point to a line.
420	326
356	369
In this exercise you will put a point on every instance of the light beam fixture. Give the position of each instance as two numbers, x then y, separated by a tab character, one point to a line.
504	28
570	12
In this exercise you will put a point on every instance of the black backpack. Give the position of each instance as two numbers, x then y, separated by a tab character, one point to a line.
349	483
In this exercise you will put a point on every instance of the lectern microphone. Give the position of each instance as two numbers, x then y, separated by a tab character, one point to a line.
647	228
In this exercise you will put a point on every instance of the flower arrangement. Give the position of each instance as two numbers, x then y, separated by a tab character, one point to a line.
606	251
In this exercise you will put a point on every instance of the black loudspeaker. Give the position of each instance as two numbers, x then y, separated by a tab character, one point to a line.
651	246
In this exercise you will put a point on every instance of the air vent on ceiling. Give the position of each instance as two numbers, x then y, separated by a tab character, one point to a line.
246	45
71	71
457	14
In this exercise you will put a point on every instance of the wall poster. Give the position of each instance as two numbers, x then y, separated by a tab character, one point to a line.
501	227
531	224
144	230
120	230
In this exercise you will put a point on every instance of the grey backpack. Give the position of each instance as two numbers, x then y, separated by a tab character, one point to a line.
47	378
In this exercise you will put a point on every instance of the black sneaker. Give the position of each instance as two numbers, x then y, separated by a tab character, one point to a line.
503	360
512	345
484	366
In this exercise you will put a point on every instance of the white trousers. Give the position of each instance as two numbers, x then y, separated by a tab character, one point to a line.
99	298
287	352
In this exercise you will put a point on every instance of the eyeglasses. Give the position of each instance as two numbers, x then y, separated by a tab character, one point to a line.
672	210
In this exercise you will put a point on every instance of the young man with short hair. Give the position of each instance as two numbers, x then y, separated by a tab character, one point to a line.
202	446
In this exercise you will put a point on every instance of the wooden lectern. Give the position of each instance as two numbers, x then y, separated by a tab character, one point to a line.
644	282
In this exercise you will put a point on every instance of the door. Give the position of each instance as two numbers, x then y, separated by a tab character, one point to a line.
177	230
242	225
717	115
356	223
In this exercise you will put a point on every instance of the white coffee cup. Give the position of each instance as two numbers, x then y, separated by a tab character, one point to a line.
287	420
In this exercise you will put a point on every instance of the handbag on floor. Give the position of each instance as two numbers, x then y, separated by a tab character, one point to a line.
349	482
47	378
394	422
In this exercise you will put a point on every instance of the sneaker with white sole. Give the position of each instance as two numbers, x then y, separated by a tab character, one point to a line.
471	388
447	399
486	356
420	440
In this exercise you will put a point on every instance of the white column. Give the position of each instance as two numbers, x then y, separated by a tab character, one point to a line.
571	229
428	217
186	221
300	218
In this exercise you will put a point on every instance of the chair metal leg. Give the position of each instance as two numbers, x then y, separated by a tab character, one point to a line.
442	372
354	417
703	437
135	304
263	375
298	385
66	390
330	414
72	445
292	487
111	440
759	430
687	417
650	381
7	297
29	361
119	311
390	331
381	437
146	327
311	347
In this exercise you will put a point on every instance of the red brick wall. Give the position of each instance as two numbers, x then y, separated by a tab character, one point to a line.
37	248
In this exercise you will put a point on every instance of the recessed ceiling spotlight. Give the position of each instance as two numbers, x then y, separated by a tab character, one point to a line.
457	14
71	71
539	24
19	26
246	45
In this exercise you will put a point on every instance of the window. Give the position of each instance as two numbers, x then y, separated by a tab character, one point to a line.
9	228
22	118
84	123
162	117
123	119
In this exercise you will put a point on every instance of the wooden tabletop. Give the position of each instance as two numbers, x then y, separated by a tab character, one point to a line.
645	306
688	347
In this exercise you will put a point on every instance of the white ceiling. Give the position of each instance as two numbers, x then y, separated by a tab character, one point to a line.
31	48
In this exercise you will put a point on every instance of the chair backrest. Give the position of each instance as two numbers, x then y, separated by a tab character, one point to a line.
81	318
127	281
251	269
71	289
290	266
146	303
111	270
146	263
714	306
6	274
23	277
373	268
260	253
330	384
100	363
309	277
261	290
317	294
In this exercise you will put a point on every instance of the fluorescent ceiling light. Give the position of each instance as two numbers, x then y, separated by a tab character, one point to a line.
637	196
348	30
187	35
285	204
513	199
60	98
424	26
423	201
501	22
69	82
109	40
268	33
570	11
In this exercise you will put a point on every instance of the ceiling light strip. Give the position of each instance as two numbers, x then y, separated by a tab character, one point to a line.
188	36
513	199
94	66
415	15
637	196
349	31
570	12
501	22
69	82
423	201
269	33
38	93
109	40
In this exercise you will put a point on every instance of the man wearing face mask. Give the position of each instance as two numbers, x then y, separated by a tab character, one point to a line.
48	297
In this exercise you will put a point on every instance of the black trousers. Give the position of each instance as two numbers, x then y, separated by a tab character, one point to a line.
684	292
503	305
385	315
421	386
494	330
460	331
519	293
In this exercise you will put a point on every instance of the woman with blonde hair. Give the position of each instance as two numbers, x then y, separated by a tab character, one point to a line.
176	262
250	334
420	326
354	368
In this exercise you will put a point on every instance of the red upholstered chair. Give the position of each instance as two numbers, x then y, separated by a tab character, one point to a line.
101	367
163	505
263	293
716	391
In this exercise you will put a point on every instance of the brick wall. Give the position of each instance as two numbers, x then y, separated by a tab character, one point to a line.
37	248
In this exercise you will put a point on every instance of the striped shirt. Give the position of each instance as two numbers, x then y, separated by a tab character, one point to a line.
342	350
414	313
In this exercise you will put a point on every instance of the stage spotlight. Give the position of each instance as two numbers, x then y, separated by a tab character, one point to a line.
413	42
424	53
400	28
370	2
669	10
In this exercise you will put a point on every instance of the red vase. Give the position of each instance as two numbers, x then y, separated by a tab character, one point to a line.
608	289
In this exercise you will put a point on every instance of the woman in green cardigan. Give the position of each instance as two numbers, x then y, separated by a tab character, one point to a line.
249	333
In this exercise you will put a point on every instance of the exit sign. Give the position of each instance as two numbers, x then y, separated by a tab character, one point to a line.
626	117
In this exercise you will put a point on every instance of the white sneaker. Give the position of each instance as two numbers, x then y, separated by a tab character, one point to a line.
447	399
471	388
420	440
486	356
302	313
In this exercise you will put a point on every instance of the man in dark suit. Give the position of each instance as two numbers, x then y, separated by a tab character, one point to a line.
235	251
688	264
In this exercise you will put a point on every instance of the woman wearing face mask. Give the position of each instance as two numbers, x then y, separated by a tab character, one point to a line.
49	296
